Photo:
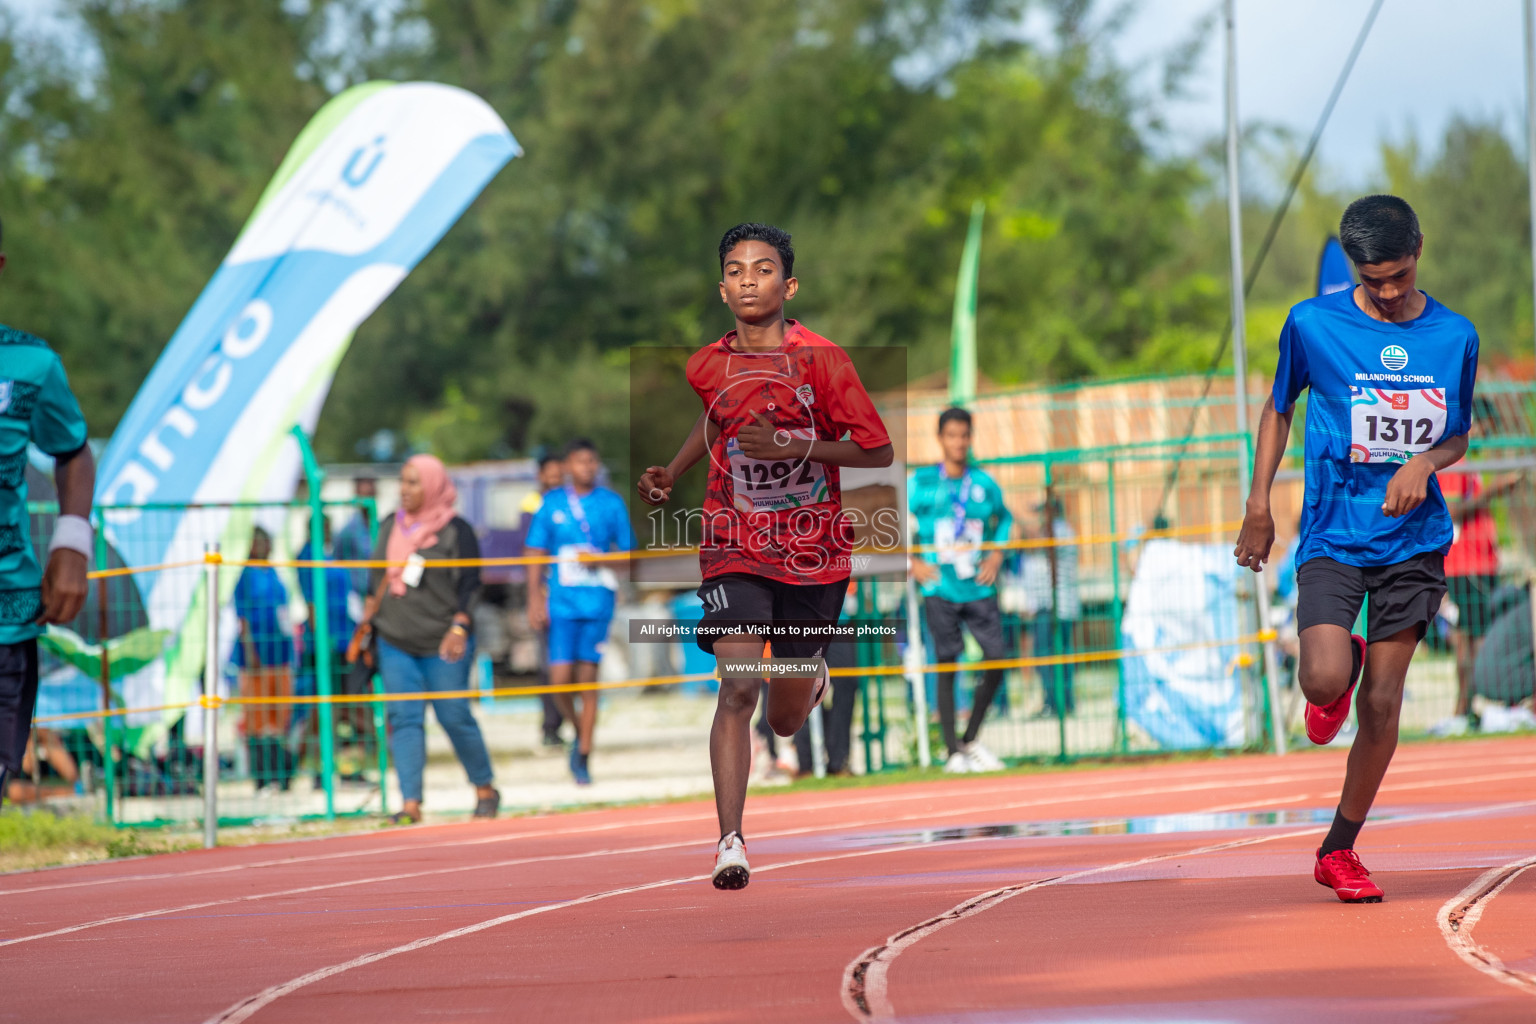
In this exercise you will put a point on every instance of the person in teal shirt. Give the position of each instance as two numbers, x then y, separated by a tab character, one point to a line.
956	507
36	407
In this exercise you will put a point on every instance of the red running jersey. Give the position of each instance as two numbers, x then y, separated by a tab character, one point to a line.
782	519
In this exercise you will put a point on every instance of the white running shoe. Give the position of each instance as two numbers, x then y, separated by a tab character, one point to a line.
731	869
958	763
982	759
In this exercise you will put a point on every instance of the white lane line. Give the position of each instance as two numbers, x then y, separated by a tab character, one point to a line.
682	844
1461	913
865	991
246	1008
1087	780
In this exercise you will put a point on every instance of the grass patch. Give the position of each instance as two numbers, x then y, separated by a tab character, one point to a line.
40	838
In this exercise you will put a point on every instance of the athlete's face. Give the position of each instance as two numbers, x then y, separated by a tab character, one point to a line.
551	474
583	466
1389	286
754	285
955	440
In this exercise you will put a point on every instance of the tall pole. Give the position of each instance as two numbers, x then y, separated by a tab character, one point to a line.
1240	363
1530	124
211	561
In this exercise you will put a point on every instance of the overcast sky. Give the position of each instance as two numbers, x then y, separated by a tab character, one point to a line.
1424	61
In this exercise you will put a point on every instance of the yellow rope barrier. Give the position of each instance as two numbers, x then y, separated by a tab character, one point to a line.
1027	544
1086	657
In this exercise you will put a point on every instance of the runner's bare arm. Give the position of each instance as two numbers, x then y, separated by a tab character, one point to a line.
538	601
656	483
1410	484
1258	533
64	579
761	440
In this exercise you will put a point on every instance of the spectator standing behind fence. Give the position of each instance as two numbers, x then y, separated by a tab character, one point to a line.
350	720
355	541
1050	579
957	507
576	604
1471	576
551	476
264	660
421	616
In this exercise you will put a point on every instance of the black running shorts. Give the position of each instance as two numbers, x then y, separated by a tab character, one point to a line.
1402	596
736	602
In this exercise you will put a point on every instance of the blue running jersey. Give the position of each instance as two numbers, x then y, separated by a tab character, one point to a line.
567	526
1381	394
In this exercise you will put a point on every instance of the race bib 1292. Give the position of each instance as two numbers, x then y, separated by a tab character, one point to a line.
1394	426
776	483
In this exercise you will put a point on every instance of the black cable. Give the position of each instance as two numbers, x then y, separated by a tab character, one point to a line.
1269	240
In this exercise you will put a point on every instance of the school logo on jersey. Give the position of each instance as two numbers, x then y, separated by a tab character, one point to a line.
558	516
1394	357
5	394
806	394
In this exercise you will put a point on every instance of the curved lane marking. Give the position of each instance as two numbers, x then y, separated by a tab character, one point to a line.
1461	913
865	992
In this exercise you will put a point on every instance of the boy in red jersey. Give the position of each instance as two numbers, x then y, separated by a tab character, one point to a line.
776	549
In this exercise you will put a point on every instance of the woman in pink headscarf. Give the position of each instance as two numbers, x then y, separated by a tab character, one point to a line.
422	622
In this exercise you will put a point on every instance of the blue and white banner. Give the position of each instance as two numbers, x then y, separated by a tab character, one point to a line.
371	184
1334	271
1184	596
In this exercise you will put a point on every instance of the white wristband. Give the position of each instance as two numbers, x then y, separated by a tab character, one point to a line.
74	533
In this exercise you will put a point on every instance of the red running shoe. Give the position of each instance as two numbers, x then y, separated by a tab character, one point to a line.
1342	872
1324	723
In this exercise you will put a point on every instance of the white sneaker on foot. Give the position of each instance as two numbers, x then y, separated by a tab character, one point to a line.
958	763
982	759
731	869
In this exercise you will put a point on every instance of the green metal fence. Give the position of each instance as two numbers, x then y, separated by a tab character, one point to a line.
138	644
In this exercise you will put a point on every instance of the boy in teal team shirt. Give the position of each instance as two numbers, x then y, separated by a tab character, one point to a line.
36	407
956	507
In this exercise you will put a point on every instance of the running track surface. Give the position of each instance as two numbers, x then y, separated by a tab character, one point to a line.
898	903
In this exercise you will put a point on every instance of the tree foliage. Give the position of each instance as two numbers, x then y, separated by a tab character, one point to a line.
133	148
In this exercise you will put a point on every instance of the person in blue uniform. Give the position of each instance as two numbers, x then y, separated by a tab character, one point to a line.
1391	374
574	599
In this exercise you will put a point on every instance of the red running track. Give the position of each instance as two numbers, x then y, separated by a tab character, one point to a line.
1168	892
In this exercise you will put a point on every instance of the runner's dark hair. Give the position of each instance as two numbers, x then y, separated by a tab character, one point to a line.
547	458
954	414
581	444
1379	229
775	237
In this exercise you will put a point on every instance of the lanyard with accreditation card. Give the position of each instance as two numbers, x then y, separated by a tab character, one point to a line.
573	573
957	537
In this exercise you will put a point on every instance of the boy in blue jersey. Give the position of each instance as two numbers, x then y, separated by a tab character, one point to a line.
956	507
1391	373
576	605
36	407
